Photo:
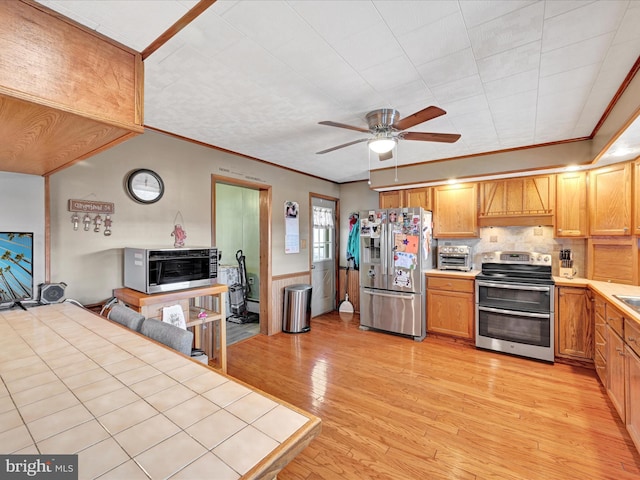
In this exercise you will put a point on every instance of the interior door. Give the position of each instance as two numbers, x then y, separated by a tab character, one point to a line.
323	262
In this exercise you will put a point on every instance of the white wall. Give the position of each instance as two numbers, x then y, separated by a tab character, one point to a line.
91	263
22	200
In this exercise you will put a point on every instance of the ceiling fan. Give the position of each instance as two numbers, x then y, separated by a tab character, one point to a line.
387	128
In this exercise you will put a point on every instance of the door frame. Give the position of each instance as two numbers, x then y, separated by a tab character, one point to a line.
336	253
264	201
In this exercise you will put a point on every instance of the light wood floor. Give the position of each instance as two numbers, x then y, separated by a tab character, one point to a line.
393	408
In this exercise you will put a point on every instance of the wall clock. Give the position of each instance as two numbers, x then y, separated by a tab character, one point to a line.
145	186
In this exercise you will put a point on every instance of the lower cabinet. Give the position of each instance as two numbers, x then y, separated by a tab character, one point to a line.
632	380
450	306
575	324
615	371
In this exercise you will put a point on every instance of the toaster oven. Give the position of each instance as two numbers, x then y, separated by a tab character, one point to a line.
454	257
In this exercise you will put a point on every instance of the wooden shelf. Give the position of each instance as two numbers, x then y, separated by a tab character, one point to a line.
210	333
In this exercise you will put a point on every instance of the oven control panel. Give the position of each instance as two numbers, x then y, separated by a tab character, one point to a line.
525	258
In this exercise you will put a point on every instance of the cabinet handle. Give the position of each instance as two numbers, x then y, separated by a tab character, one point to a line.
631	339
561	229
620	352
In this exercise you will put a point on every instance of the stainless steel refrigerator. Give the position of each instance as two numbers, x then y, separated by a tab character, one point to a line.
396	247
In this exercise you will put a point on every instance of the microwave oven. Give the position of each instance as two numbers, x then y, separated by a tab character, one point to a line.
167	269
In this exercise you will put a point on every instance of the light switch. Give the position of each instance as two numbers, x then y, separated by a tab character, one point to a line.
303	243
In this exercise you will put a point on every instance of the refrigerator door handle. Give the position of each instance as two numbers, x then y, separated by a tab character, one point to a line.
383	248
390	295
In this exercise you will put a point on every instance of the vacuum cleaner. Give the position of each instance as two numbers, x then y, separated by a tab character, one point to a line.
238	294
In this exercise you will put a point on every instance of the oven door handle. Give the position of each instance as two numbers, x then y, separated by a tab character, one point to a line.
513	312
510	286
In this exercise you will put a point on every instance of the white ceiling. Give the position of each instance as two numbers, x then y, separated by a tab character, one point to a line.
256	76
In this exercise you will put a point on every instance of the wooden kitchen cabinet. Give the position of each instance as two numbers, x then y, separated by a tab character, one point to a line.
610	200
529	199
455	211
575	324
571	205
81	95
632	379
613	259
600	337
616	359
411	197
636	192
390	199
450	306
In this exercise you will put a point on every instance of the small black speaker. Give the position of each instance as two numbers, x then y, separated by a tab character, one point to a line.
51	293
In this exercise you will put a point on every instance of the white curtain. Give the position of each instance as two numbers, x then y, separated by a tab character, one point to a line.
322	217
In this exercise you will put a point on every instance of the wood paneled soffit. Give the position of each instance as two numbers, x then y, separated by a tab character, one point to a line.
524	160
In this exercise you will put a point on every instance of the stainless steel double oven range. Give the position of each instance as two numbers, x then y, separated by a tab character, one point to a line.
514	304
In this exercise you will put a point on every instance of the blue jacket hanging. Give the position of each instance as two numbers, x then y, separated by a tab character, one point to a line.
353	245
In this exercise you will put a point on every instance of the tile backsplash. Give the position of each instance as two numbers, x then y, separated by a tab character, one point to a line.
529	239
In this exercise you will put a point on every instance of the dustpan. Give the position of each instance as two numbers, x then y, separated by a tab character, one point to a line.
346	306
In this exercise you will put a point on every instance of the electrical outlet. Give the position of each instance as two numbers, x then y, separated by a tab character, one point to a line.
250	280
493	239
537	231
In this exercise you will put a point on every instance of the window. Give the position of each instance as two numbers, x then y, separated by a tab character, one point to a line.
323	232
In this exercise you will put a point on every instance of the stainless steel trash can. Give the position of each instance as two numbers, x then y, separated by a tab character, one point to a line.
297	308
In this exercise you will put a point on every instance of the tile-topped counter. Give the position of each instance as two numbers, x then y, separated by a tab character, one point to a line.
74	382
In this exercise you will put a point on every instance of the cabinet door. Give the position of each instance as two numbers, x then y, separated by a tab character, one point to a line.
610	200
391	199
615	371
450	313
418	197
575	324
632	384
455	211
636	186
571	204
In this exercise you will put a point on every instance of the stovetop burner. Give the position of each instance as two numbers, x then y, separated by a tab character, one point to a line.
517	267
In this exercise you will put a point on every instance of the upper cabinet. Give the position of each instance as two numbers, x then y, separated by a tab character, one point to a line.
390	199
517	201
636	196
455	211
610	200
66	92
571	205
411	197
419	197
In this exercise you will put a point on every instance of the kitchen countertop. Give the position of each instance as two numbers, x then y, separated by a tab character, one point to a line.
73	382
451	273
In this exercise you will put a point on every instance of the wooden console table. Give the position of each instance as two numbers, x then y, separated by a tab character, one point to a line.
193	301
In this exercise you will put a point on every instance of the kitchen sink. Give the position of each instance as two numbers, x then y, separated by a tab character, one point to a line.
630	300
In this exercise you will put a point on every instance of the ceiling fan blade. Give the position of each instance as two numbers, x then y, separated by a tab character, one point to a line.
342	125
432	137
342	146
386	156
423	115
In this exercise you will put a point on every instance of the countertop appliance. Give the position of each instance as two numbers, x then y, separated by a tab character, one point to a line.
454	257
514	304
396	246
150	270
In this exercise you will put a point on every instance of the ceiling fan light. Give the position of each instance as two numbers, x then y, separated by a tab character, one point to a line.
382	145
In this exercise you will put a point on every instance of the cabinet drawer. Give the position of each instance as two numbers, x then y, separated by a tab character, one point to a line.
615	319
601	366
600	342
452	284
600	307
632	335
600	329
